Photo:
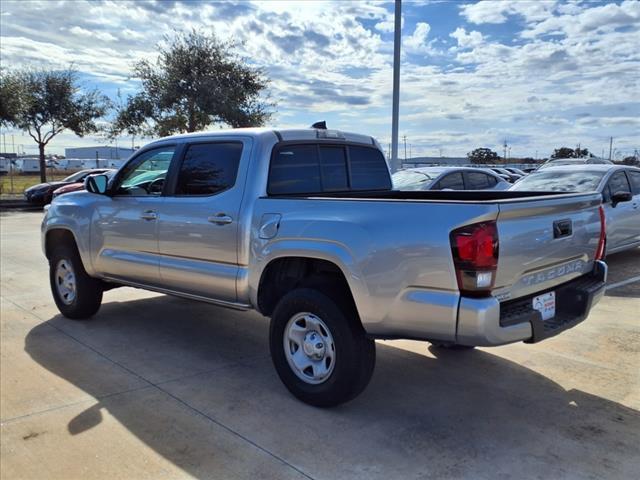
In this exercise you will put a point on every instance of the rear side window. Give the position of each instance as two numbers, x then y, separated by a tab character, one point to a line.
313	168
295	169
209	168
635	181
453	181
478	181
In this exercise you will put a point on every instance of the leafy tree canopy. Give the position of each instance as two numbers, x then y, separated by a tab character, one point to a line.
197	80
483	155
45	103
632	160
566	152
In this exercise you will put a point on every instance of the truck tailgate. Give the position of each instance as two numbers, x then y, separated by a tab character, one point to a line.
544	242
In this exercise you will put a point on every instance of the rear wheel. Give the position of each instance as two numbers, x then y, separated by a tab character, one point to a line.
319	348
77	295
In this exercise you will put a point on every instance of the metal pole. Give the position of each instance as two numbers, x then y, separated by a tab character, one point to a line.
396	84
404	139
610	147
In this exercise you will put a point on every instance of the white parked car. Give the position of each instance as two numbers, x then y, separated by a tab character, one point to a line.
448	178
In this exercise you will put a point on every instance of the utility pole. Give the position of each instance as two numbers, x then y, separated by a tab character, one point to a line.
395	110
610	147
505	149
404	139
410	154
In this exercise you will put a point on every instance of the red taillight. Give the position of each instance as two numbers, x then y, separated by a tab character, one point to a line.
603	235
475	256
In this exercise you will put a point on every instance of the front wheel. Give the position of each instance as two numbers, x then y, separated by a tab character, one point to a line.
319	348
77	295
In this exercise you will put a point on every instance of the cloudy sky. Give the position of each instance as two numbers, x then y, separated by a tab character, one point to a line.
539	74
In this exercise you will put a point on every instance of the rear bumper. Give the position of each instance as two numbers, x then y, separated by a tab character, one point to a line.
487	322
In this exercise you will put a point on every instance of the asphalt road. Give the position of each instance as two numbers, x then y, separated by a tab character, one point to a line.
159	387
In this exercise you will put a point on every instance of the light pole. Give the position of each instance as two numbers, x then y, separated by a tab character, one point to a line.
395	109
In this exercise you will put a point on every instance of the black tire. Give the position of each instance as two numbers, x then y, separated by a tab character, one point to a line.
88	290
451	346
355	353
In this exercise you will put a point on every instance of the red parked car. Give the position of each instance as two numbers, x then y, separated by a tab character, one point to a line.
77	186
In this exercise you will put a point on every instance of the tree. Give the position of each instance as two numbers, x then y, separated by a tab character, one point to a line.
566	152
632	161
483	155
197	80
45	103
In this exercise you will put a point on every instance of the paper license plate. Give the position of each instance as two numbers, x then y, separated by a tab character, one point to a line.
546	305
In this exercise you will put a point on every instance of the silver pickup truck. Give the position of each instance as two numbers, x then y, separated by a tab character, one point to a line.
304	226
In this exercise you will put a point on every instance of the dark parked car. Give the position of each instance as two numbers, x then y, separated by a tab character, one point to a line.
42	193
620	189
78	186
506	174
448	178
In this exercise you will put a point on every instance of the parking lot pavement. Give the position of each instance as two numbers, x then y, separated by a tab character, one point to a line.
159	387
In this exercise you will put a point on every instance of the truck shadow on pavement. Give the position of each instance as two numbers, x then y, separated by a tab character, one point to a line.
203	387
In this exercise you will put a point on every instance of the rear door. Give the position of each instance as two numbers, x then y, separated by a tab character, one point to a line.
622	218
198	221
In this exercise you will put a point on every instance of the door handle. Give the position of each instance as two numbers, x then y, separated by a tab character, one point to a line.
220	219
148	215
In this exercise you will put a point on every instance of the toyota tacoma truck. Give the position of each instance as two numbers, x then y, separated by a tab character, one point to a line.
304	226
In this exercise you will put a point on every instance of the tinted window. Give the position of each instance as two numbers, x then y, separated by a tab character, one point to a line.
410	180
208	168
558	180
368	169
478	181
618	183
295	169
333	165
144	175
453	181
635	181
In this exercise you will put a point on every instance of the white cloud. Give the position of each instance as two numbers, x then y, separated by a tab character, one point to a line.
498	11
467	40
82	32
418	41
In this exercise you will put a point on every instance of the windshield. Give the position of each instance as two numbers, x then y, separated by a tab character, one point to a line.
77	177
411	180
560	181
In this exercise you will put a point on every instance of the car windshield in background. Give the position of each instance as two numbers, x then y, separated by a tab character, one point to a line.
411	180
561	181
76	177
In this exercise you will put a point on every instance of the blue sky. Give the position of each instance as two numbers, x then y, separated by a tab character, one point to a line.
540	74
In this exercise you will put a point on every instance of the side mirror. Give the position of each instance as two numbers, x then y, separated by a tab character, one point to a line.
97	184
618	197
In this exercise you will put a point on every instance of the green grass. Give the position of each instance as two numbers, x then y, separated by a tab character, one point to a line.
22	182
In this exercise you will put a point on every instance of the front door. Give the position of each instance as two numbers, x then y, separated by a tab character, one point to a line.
621	219
125	229
199	219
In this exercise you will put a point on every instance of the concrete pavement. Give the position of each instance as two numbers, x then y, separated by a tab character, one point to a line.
160	387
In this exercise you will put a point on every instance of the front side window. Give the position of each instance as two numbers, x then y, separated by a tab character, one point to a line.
145	174
208	168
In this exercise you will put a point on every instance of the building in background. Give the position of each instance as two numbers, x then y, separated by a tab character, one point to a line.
101	152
